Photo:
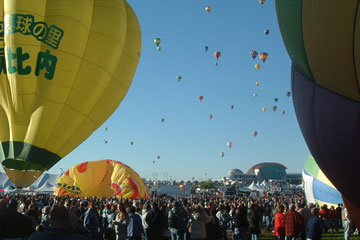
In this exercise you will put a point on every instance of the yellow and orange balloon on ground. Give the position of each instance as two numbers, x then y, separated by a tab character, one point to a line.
63	72
103	178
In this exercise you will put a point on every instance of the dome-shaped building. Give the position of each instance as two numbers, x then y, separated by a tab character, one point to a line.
235	173
268	171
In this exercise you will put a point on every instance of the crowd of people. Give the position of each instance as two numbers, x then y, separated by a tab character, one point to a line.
163	218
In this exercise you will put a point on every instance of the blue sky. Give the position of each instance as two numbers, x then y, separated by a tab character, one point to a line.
188	142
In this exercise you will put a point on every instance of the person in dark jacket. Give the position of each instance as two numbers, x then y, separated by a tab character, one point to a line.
314	226
177	219
213	230
240	223
154	221
14	224
134	228
59	228
254	219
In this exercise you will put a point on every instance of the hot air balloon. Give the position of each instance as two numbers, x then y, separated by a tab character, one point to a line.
131	143
216	63
70	73
317	187
229	144
257	66
255	95
158	48
104	178
206	48
211	116
178	78
263	56
283	112
157	41
106	129
257	83
222	154
276	99
264	109
208	8
232	106
324	87
105	141
274	108
162	120
255	133
158	157
217	55
261	1
253	54
153	162
200	98
288	94
266	31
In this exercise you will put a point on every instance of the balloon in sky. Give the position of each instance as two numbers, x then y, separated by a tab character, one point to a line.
157	41
263	56
211	116
217	54
162	120
103	178
158	48
222	154
261	1
229	144
106	129
266	31
255	133
276	99
158	157
232	106
274	108
200	98
264	109
105	141
257	83
257	66
178	78
206	48
288	94
153	162
65	72
318	188
131	143
283	112
253	54
255	95
208	8
325	90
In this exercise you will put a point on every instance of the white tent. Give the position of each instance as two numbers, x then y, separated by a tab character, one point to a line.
243	189
170	190
46	188
5	181
255	187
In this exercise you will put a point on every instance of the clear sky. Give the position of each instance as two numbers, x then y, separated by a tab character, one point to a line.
188	142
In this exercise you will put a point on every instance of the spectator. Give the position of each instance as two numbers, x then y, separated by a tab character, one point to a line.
293	223
121	223
240	223
254	219
59	228
197	223
314	226
279	223
134	228
177	221
91	221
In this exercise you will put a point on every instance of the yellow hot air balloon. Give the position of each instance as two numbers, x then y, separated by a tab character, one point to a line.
264	109
66	72
103	178
257	83
257	66
208	8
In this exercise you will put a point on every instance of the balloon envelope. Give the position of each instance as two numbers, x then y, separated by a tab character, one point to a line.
103	178
66	72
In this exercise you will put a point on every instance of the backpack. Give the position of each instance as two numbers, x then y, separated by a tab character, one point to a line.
172	220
